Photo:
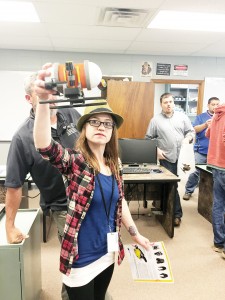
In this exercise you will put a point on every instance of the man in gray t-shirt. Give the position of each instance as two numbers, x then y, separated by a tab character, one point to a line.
171	129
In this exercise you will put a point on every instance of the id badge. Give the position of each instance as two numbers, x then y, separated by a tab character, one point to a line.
112	241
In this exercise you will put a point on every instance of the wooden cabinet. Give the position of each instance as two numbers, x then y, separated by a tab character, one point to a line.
20	264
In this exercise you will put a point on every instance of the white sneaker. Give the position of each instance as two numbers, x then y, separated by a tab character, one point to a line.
223	254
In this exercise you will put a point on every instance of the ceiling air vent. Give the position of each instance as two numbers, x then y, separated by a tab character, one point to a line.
122	17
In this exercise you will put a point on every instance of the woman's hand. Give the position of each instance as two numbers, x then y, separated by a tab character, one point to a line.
39	85
142	241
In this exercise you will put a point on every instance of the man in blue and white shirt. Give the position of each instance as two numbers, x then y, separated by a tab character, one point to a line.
201	145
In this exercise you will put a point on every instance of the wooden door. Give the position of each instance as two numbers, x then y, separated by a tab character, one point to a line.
200	84
134	102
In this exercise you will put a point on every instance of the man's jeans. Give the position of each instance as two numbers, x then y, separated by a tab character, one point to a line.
172	167
193	178
218	210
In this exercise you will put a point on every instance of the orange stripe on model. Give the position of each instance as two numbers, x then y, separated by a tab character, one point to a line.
80	72
62	73
82	75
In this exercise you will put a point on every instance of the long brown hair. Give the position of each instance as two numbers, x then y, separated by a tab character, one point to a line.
111	153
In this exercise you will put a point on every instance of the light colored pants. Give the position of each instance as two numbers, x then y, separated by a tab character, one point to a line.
60	219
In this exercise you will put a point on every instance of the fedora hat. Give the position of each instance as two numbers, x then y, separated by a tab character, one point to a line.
98	109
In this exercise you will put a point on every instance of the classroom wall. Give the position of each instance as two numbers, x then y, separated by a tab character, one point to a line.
15	109
113	64
4	146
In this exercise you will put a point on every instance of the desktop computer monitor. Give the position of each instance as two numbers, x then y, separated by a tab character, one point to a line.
138	151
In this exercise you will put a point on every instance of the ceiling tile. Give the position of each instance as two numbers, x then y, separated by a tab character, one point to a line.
67	14
72	25
92	32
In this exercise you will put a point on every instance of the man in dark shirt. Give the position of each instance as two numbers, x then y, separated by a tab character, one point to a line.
201	145
24	159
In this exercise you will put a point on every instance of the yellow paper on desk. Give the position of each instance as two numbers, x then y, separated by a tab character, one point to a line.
150	266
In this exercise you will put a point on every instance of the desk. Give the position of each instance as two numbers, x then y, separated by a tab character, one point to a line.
205	195
160	186
20	271
25	199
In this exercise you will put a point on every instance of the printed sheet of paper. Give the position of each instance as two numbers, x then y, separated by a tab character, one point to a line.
152	265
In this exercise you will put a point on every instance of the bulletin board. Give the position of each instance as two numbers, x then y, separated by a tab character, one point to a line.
14	107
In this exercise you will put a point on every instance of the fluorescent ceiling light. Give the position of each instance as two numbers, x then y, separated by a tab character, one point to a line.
180	20
13	11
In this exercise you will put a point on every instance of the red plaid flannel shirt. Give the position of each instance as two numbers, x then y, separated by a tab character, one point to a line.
80	192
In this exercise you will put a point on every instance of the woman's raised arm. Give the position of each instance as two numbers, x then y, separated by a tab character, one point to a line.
42	124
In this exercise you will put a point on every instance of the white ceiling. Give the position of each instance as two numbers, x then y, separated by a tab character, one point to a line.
76	26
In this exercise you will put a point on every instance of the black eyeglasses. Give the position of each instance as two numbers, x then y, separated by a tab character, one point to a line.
96	123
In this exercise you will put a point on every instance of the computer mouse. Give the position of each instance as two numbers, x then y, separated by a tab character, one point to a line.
157	171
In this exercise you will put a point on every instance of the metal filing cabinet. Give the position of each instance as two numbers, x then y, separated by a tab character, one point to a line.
20	264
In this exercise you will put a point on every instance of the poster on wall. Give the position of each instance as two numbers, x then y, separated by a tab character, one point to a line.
180	70
146	69
163	69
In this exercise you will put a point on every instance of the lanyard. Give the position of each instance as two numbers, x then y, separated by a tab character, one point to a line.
103	198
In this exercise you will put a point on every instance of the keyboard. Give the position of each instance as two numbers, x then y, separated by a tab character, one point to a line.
136	170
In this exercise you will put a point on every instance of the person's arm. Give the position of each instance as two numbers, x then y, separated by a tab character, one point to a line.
128	222
207	133
200	124
12	203
42	124
160	154
151	132
223	136
189	131
201	127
